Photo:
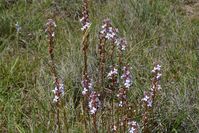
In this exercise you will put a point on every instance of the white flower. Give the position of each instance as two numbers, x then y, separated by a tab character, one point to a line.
159	87
103	31
133	127
121	43
148	99
51	22
127	85
84	92
108	31
86	26
114	128
127	78
58	91
18	27
94	103
156	68
61	89
56	98
87	85
149	103
120	104
82	19
93	110
53	34
131	130
104	26
158	75
152	88
113	72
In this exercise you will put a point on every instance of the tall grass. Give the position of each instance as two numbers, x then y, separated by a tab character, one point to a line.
156	32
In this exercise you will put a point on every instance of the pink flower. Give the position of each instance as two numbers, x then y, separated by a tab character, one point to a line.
85	19
94	103
127	78
87	85
107	31
133	127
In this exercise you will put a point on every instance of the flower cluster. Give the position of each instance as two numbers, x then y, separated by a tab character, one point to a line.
114	128
156	68
87	85
155	87
133	127
157	76
50	28
148	99
149	96
113	73
121	44
122	97
18	27
127	77
156	71
113	78
58	91
85	19
108	31
94	103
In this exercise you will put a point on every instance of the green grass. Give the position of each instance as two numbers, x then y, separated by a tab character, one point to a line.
155	32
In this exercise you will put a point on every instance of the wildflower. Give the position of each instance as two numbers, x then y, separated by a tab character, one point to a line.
58	91
159	87
156	68
148	99
122	97
156	78
50	28
127	78
107	31
120	104
112	73
56	98
18	27
61	89
87	85
86	26
94	103
121	43
85	19
51	22
133	127
114	128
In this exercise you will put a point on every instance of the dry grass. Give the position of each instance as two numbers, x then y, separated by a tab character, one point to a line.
155	32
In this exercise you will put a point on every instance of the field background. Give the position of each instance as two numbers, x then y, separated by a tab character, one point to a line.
166	31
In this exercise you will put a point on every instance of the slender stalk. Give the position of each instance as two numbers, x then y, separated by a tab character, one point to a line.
120	57
150	97
51	34
85	45
101	51
58	120
84	113
145	119
95	123
112	53
85	28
